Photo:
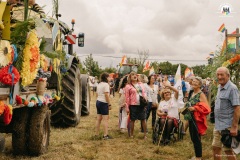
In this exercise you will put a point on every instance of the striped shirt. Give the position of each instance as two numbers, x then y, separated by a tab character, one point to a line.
227	98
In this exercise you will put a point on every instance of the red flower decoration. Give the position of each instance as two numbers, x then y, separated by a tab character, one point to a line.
2	107
35	58
7	115
18	99
6	74
234	59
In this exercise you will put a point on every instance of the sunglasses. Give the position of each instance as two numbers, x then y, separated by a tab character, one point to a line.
166	92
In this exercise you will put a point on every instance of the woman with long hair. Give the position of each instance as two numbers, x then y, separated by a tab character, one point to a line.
123	116
152	102
103	105
133	90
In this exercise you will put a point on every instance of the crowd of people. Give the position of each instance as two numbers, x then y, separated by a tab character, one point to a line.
162	103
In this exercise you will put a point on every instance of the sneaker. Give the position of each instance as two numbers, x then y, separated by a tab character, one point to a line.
107	137
123	130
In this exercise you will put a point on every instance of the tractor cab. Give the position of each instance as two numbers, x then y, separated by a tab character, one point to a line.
127	68
124	70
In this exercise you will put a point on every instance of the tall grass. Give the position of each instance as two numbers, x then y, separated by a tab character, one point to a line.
78	143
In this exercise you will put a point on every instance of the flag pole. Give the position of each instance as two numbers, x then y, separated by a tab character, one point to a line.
226	39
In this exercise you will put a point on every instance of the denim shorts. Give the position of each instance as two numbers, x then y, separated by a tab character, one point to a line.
102	108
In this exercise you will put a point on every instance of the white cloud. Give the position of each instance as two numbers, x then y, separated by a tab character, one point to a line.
169	29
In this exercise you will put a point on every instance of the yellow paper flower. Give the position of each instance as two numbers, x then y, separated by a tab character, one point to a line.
5	53
10	107
56	64
43	63
31	59
226	63
1	25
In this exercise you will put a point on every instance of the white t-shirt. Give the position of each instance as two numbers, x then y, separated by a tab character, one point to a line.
121	91
153	92
102	88
138	87
188	87
170	106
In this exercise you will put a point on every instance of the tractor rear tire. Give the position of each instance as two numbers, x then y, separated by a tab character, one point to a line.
39	131
85	95
20	122
67	112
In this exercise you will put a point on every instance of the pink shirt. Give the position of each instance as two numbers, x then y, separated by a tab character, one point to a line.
131	94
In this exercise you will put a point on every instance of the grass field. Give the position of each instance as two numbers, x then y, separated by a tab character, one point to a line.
78	143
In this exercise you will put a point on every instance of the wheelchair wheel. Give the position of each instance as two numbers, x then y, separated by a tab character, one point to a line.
180	131
156	132
172	134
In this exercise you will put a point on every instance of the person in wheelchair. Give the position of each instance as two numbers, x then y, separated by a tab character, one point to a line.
168	112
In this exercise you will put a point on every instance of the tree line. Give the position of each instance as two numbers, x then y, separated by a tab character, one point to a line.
91	66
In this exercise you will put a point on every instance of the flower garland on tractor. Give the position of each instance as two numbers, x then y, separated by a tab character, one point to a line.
231	61
31	58
24	61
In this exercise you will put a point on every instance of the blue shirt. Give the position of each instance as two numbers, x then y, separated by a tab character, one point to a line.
184	88
227	98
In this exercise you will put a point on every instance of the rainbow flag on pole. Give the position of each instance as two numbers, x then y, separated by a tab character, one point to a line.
211	54
222	28
124	60
151	71
188	72
231	46
147	67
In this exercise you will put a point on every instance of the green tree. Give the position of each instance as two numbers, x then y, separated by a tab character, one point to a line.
142	57
110	70
83	70
199	70
92	66
166	68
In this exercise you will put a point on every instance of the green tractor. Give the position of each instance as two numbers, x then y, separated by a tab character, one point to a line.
40	82
124	70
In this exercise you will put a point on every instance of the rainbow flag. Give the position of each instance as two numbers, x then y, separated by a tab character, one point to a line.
188	72
231	44
151	71
211	55
147	67
222	28
192	74
123	61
